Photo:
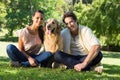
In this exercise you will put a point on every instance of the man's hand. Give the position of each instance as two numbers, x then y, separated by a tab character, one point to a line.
32	61
80	66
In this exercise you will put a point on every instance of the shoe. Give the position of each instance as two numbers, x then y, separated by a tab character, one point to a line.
55	65
98	68
15	64
58	65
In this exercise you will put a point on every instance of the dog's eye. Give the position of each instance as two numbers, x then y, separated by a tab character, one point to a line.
53	22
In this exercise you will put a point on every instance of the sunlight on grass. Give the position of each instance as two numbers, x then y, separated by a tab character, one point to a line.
113	75
3	47
11	71
111	58
111	61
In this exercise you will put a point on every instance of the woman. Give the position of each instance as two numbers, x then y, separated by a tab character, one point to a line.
29	44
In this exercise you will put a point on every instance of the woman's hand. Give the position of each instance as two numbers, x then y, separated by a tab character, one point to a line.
32	61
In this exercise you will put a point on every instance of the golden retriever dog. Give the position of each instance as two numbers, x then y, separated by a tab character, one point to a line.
52	39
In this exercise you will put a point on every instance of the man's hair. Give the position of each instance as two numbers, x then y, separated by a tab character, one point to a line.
69	14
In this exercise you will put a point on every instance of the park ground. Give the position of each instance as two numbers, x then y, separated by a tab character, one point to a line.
110	62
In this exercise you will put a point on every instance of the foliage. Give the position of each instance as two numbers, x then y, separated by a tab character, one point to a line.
19	12
103	17
2	14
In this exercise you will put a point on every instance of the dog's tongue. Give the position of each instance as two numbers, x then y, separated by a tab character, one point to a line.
49	32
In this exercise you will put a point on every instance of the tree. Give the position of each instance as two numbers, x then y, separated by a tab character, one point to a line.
103	17
2	14
19	12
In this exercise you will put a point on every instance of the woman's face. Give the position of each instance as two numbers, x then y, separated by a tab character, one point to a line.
37	19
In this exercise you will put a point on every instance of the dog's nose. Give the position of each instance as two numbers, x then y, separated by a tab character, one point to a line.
49	26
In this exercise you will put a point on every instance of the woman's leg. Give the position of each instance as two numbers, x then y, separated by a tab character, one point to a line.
41	58
14	54
17	58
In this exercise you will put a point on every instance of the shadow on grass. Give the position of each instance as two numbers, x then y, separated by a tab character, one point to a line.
111	72
111	69
4	59
8	38
112	55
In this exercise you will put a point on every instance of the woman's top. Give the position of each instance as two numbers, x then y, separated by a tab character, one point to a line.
31	42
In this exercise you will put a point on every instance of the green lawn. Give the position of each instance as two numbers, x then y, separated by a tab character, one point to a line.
111	63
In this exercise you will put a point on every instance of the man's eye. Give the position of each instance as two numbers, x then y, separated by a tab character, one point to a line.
37	18
71	21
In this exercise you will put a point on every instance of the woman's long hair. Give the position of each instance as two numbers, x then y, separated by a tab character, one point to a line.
40	29
41	33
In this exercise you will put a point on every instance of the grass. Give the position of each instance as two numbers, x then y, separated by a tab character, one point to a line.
110	62
3	47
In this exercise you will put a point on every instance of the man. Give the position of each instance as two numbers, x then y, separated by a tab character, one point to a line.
81	49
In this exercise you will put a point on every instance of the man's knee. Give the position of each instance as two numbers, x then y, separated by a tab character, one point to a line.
58	56
100	55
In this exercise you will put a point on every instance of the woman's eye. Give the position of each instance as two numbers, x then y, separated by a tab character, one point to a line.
41	18
37	18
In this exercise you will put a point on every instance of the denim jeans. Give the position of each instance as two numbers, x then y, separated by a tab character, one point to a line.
15	55
71	60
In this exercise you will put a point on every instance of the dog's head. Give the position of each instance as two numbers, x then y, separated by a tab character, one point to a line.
52	26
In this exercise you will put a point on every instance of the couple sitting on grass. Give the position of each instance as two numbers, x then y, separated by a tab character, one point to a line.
81	49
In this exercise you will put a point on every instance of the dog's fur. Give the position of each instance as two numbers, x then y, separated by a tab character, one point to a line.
52	38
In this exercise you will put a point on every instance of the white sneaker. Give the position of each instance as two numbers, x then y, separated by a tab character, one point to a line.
58	65
98	68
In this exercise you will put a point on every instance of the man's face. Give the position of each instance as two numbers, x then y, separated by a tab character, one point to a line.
71	24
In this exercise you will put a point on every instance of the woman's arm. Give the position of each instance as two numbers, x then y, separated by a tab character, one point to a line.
21	48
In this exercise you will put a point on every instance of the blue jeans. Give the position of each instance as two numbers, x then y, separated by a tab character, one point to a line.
71	60
15	55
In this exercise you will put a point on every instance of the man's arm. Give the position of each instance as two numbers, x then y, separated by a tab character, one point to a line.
91	55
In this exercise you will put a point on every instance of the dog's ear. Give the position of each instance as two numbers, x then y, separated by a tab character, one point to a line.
44	27
59	27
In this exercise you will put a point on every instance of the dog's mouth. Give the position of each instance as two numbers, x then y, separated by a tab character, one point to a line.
50	30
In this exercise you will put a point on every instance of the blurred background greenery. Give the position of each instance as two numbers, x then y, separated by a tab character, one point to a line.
102	16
